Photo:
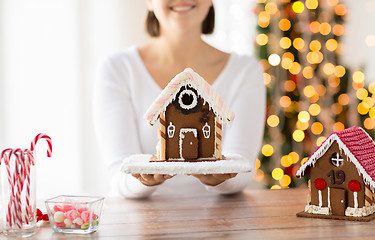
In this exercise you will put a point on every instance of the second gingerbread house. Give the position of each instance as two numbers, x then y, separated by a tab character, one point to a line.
342	177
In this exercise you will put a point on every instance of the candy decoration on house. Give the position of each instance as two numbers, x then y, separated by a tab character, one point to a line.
195	113
19	188
171	130
343	172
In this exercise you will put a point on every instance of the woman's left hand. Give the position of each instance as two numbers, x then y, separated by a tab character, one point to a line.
214	179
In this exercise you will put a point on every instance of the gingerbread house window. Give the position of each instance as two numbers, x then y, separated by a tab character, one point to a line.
188	99
337	160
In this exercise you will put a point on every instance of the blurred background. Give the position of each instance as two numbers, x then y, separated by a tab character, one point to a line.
317	56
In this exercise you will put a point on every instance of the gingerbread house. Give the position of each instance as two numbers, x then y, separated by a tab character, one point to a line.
191	115
342	177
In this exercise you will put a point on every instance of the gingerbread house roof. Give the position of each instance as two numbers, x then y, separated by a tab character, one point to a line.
357	146
204	89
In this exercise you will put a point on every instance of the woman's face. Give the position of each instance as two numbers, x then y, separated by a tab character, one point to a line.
180	15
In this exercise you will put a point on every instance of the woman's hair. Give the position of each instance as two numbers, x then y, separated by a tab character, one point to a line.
153	26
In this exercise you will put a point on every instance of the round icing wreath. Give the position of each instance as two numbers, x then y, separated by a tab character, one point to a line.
187	99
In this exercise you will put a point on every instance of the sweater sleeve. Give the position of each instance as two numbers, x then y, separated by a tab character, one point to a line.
116	127
245	135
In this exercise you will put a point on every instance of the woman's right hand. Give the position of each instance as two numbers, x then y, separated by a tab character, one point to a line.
151	179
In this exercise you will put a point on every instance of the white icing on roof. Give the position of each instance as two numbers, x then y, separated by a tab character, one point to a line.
205	90
357	146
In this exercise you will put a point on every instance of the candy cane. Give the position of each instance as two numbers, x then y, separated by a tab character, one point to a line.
6	155
36	139
19	173
28	163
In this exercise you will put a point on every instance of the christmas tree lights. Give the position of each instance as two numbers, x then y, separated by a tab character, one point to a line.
310	93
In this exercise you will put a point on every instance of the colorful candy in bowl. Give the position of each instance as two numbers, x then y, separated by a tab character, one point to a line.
74	214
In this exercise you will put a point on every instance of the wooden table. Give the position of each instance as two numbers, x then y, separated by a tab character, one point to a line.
253	214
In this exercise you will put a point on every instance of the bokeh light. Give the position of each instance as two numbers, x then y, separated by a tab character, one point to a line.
295	69
277	173
314	109
298	7
314	26
361	93
273	121
263	19
340	71
302	125
298	43
285	180
308	72
315	45
285	101
343	99
274	59
262	39
271	8
267	150
325	28
361	108
316	128
298	135
289	85
338	30
358	77
369	123
338	126
309	91
303	116
267	78
284	24
285	42
286	161
340	9
331	45
312	4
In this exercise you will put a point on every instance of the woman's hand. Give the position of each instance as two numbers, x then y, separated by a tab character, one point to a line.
214	179
151	179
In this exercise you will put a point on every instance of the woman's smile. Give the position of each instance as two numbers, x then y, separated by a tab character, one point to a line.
182	7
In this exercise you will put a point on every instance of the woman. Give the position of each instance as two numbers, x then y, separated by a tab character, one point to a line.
132	79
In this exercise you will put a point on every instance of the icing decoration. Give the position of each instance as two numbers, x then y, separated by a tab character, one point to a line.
206	131
171	130
189	78
320	184
320	198
329	197
337	160
355	196
188	99
354	186
357	146
182	136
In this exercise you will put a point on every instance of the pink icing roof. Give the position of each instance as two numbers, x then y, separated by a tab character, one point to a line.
204	89
358	147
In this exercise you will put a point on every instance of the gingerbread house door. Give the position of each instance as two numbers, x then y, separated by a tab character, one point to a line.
188	143
338	201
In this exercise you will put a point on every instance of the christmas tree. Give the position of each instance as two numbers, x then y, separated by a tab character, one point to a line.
309	92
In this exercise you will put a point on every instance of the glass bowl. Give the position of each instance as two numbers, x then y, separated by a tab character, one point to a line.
74	214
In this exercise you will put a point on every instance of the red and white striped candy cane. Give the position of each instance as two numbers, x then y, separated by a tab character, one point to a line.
36	139
19	180
29	161
6	156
